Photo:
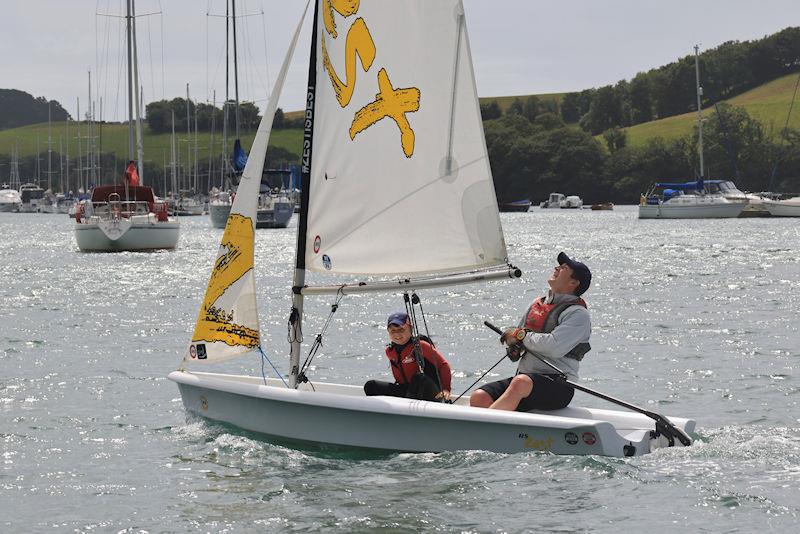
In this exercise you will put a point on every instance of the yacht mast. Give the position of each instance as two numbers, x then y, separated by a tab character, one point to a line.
128	18
699	112
139	97
235	66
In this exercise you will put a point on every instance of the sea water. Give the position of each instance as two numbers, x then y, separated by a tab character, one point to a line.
690	318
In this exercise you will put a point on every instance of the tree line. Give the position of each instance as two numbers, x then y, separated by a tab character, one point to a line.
532	157
159	116
18	108
725	71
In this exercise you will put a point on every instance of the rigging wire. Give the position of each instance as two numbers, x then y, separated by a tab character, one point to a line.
312	352
277	373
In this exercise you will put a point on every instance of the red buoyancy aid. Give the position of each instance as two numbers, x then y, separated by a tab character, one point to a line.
543	318
404	365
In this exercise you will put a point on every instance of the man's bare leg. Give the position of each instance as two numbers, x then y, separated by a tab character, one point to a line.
519	388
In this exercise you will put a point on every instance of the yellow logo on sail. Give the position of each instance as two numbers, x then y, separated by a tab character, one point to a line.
389	102
214	322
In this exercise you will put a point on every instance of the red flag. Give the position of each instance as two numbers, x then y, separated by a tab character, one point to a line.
131	175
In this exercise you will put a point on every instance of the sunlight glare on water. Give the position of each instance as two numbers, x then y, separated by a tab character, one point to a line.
690	318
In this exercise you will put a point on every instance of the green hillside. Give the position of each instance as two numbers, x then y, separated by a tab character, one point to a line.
115	140
768	103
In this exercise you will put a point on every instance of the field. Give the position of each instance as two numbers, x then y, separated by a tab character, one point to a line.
113	138
768	103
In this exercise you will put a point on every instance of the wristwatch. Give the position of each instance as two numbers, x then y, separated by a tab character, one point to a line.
520	334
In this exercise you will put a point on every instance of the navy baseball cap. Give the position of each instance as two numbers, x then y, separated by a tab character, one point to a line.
397	319
580	272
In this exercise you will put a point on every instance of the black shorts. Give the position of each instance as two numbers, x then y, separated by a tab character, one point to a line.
546	395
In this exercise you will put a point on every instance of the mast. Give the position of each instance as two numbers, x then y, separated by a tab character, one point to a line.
49	151
80	157
173	163
188	142
139	96
699	113
130	83
235	66
211	144
66	155
296	318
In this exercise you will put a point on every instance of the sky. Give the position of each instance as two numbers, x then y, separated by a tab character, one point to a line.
519	47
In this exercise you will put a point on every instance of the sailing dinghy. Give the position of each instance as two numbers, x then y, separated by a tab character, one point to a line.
392	120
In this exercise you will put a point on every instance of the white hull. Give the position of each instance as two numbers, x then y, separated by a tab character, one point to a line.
341	415
140	233
219	213
783	208
708	210
9	206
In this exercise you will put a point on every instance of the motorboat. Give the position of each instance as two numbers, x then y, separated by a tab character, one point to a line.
603	206
553	201
571	202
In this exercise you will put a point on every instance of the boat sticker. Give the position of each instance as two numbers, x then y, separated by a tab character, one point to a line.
326	261
204	403
317	244
571	438
201	351
538	444
589	438
192	351
217	321
390	102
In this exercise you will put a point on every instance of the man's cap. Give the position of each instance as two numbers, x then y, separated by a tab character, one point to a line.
580	272
397	319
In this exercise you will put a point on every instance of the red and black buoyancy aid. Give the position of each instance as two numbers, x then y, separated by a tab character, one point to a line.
405	365
543	318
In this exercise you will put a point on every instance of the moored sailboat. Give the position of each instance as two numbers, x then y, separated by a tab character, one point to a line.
696	199
427	142
126	217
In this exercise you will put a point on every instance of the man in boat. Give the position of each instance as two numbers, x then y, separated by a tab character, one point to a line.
556	327
420	371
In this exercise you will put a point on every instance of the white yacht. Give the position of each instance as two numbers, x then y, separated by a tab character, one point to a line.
789	207
123	217
692	200
10	199
688	200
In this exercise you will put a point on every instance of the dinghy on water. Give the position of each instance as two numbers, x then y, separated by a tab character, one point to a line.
394	139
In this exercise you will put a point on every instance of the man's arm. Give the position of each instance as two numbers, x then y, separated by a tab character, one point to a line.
574	327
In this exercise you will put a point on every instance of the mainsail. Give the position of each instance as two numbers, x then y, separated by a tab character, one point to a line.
400	179
227	325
